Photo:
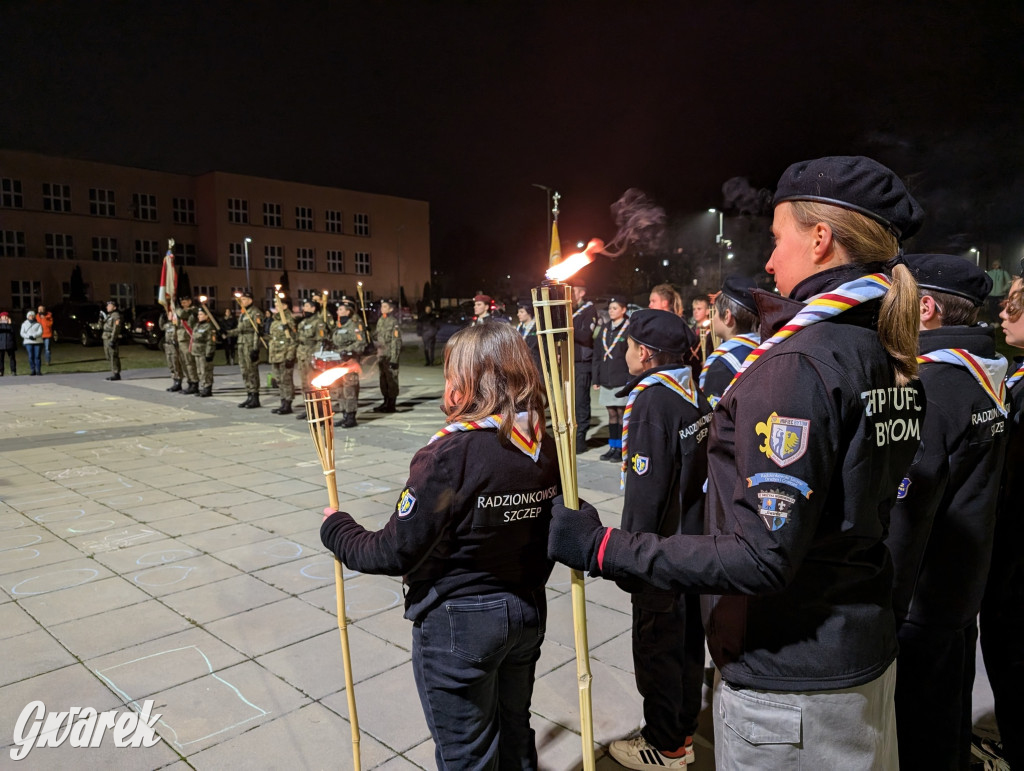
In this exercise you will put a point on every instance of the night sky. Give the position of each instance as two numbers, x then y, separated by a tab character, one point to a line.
468	104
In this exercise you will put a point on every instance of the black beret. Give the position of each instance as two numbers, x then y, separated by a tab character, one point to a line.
348	302
857	183
183	297
619	300
737	289
246	293
950	274
525	305
662	330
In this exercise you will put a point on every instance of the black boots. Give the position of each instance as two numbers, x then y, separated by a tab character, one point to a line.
348	420
115	376
193	388
206	391
387	406
284	409
175	386
247	402
255	401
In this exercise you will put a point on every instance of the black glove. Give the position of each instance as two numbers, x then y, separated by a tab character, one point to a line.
254	355
289	363
575	536
394	366
209	359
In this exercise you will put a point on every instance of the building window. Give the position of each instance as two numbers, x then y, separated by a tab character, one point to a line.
336	296
56	197
122	293
307	295
12	243
236	254
101	202
144	206
184	211
362	224
26	294
148	252
271	299
272	215
303	218
104	249
209	291
185	254
60	246
335	261
333	221
10	193
306	258
238	211
362	263
273	257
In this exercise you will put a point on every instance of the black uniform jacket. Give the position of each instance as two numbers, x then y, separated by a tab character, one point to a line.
723	369
665	472
611	372
584	320
473	519
805	458
943	522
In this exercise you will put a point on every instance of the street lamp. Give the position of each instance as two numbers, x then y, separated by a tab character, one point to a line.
248	283
724	244
977	256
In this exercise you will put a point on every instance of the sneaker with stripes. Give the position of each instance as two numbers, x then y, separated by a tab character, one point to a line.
639	754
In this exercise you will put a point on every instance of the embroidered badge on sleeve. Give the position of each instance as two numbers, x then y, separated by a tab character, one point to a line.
785	439
775	508
407	503
641	464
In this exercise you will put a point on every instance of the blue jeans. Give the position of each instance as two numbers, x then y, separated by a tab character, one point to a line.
46	348
474	660
35	367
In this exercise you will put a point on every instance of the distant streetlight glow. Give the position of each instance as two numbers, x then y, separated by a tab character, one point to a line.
248	283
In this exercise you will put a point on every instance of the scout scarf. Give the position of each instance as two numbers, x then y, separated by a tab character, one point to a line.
525	330
582	308
618	338
1016	376
823	306
526	438
727	353
679	380
988	372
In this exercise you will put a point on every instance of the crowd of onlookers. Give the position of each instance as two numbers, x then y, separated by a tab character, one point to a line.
36	334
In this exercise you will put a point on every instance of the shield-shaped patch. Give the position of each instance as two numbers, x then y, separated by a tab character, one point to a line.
787	439
407	503
775	508
641	464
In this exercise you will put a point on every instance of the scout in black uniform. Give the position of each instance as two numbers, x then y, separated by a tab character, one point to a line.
664	468
610	372
584	322
941	529
469	534
527	329
736	324
806	454
1002	609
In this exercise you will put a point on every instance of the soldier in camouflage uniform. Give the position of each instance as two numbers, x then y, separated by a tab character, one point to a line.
187	320
112	339
311	332
250	322
350	341
283	346
388	338
171	349
204	346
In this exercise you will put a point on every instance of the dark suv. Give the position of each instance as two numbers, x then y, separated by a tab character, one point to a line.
82	322
146	327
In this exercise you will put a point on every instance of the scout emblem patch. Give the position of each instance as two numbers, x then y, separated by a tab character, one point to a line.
407	503
904	489
641	464
775	508
786	439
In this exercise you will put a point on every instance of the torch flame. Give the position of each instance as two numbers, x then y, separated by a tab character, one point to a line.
574	262
202	298
328	378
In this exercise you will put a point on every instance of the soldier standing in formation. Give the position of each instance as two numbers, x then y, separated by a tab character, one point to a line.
388	338
283	345
247	331
350	341
111	339
204	346
170	344
310	334
187	319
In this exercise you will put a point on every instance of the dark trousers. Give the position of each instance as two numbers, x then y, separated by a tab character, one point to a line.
429	342
14	364
388	380
474	660
934	680
668	662
584	382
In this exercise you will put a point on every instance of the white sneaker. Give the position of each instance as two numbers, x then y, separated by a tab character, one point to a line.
638	753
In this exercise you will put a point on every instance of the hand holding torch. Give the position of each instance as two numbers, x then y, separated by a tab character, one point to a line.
362	305
259	336
210	316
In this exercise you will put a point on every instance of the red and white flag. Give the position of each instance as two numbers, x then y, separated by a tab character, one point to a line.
168	280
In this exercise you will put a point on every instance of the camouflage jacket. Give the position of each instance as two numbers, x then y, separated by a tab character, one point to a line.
250	322
350	337
188	317
283	340
388	337
170	331
311	332
204	339
110	327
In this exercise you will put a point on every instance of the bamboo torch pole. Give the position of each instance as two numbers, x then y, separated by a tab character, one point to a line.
552	303
320	417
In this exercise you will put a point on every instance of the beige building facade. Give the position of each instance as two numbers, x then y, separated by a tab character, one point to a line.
230	231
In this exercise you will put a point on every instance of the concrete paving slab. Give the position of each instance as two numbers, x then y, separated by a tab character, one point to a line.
50	578
118	629
223	598
193	523
300	576
364	596
179	576
39	652
218	540
88	599
15	620
273	626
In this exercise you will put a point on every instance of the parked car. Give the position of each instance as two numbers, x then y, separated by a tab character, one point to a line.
146	327
83	321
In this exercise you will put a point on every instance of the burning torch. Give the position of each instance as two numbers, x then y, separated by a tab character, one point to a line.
259	334
552	302
320	417
362	304
202	304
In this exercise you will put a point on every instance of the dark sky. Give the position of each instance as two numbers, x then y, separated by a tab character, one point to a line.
467	104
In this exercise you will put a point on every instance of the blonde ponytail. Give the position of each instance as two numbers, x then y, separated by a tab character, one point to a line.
898	324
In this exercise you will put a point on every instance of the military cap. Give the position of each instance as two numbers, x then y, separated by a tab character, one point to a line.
182	298
483	298
737	288
619	299
526	305
203	311
950	274
662	330
348	302
246	293
857	183
112	301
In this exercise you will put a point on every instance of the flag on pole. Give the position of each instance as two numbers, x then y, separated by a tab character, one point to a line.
168	281
556	245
